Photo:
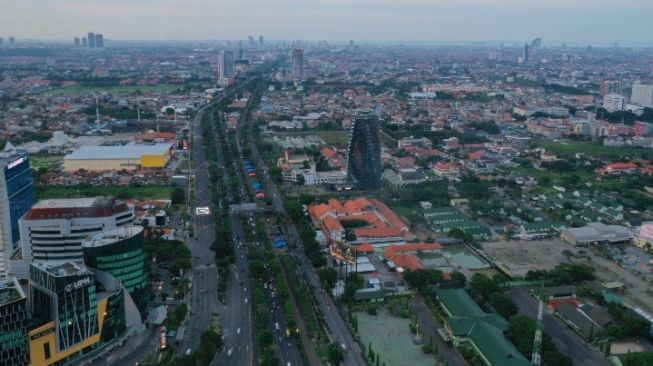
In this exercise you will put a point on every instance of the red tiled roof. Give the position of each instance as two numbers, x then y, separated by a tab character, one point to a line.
336	206
365	248
332	224
378	232
390	215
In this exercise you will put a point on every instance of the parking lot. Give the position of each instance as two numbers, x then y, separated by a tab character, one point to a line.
521	256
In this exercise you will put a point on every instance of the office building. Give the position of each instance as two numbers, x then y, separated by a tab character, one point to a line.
613	102
78	41
297	56
76	310
99	40
53	230
91	40
16	197
251	40
260	39
2	41
14	320
120	252
226	64
126	157
642	95
12	41
84	42
364	151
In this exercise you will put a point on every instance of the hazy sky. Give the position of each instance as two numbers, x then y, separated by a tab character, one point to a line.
595	21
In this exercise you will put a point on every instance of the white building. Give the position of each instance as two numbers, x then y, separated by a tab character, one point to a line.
642	95
53	230
613	102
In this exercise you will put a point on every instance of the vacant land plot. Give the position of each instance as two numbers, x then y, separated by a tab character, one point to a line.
520	256
391	338
567	149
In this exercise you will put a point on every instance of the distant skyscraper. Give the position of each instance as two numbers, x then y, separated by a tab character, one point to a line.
78	42
99	40
297	65
251	40
351	43
16	198
84	42
12	41
241	53
537	42
642	95
528	52
226	64
364	151
260	39
91	40
2	41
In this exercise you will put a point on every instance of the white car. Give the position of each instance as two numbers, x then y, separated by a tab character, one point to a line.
245	300
231	350
238	331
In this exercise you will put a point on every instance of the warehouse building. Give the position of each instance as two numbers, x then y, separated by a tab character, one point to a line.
596	233
126	157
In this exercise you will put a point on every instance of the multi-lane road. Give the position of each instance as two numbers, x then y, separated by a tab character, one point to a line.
338	329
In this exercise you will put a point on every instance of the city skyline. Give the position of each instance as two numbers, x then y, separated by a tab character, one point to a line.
576	21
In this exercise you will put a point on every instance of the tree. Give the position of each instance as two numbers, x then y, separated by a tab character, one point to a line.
503	305
481	287
521	332
328	278
293	209
638	359
456	280
178	196
335	353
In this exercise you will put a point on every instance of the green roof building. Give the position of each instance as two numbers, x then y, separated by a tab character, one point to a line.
470	326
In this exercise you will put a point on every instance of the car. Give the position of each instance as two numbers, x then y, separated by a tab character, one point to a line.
343	346
245	300
276	325
188	352
238	331
231	350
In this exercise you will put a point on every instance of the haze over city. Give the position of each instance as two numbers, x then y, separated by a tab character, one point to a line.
603	22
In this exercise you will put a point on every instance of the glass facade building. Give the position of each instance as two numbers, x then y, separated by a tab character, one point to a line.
364	151
13	325
120	252
16	198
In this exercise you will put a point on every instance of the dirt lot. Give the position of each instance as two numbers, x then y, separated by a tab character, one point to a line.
521	256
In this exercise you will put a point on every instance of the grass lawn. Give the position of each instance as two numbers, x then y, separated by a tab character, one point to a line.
391	338
567	149
555	178
37	161
79	89
123	192
332	137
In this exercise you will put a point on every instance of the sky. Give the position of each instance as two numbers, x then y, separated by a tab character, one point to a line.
571	21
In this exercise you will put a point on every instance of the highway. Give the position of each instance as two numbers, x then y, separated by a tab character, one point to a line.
338	329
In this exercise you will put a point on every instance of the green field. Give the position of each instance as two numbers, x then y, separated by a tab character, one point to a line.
123	192
567	149
37	161
79	89
333	137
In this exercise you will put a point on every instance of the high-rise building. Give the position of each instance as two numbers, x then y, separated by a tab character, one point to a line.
91	40
78	42
260	39
16	197
53	230
537	42
99	40
251	41
120	252
2	41
610	87
84	42
14	320
226	64
12	41
613	102
642	95
364	151
297	56
528	52
76	310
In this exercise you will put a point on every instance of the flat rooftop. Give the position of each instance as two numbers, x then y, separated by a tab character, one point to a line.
111	236
67	203
65	269
117	152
